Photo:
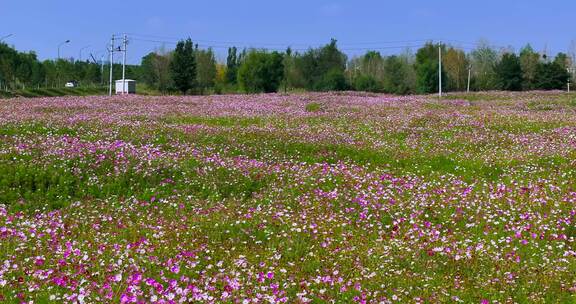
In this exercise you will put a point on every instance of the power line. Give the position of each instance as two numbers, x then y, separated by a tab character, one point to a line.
174	39
167	39
282	49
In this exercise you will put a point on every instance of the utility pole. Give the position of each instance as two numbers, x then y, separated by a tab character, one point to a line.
124	65
439	71
469	73
570	72
111	65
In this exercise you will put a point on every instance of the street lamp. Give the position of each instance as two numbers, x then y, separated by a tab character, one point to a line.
80	55
9	35
61	44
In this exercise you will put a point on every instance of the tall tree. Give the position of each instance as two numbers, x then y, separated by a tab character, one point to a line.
551	76
183	66
484	59
456	65
397	77
427	68
322	69
148	72
509	72
529	61
366	73
232	64
291	76
563	60
206	75
261	72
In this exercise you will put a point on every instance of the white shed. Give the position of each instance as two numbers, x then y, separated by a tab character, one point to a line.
129	86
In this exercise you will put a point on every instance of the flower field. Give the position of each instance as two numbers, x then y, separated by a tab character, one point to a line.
311	198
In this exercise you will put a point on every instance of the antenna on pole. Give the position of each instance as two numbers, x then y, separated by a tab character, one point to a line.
111	64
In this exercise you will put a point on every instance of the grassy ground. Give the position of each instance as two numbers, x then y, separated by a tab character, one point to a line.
321	198
80	91
52	92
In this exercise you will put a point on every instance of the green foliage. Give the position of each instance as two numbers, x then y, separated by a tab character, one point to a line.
333	80
183	66
484	58
529	61
155	71
366	83
455	63
397	79
261	72
323	69
24	71
427	69
147	68
313	107
551	76
233	62
206	75
509	72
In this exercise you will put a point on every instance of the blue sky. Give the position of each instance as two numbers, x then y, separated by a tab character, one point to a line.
41	25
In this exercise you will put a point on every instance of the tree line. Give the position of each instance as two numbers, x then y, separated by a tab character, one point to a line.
19	70
189	69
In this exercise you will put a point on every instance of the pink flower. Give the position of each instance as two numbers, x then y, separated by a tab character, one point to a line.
175	269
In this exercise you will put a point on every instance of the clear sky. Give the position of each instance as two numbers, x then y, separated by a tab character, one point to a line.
41	25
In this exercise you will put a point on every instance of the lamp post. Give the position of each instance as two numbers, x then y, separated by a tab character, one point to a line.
80	53
57	66
60	45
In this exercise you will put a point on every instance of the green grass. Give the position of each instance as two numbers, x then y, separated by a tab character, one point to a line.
313	107
54	92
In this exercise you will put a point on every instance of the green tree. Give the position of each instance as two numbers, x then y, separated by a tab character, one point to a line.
148	71
563	60
261	72
366	83
155	70
484	59
232	65
456	65
183	66
397	77
206	75
551	76
323	69
427	69
529	61
509	72
366	73
291	75
93	74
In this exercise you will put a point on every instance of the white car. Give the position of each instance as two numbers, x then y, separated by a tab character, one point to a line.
71	84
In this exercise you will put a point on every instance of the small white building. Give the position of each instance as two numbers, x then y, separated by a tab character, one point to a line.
129	86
